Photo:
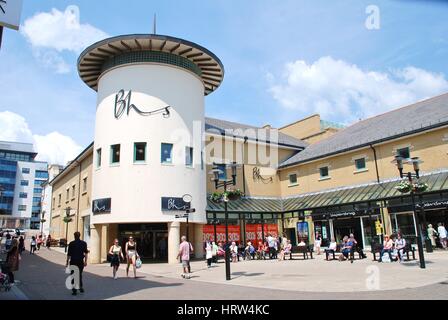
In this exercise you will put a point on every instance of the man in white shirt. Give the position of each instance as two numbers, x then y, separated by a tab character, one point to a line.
442	235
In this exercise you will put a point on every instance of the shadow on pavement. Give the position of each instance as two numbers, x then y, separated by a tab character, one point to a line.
42	279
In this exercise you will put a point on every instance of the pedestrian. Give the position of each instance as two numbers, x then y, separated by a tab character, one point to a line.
48	242
442	235
271	244
317	243
432	233
12	259
208	253
388	246
33	244
185	249
39	242
77	256
8	241
400	246
131	255
21	244
234	251
116	253
214	252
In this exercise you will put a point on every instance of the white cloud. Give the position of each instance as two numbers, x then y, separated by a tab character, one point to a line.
54	147
343	92
51	33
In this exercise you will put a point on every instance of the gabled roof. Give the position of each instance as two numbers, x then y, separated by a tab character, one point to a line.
218	126
418	117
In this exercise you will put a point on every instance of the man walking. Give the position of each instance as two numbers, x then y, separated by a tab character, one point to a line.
442	235
77	256
185	249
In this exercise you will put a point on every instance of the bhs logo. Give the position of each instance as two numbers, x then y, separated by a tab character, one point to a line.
123	103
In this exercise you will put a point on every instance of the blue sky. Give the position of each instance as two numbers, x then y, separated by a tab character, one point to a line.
284	60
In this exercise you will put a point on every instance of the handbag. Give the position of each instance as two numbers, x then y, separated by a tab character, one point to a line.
138	263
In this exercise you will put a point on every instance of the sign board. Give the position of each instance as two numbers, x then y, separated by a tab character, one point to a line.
209	233
174	204
10	11
378	228
101	206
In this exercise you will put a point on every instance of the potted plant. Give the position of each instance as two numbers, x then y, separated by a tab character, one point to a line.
404	186
216	197
420	187
67	219
234	194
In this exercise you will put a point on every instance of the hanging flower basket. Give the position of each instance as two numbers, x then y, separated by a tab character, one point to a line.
216	197
67	219
404	186
420	187
43	220
233	195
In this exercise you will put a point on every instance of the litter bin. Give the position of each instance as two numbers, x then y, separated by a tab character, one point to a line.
428	245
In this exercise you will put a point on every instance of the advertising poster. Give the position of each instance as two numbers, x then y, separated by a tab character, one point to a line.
302	231
209	233
255	235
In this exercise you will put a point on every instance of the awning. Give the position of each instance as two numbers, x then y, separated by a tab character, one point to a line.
373	192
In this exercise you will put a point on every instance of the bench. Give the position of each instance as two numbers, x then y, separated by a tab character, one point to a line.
305	250
407	249
351	256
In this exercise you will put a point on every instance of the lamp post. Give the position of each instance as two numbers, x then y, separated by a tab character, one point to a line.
42	221
222	183
415	161
67	220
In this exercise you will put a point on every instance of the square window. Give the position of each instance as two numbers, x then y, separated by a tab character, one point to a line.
140	151
23	195
115	153
323	172
98	157
360	163
24	183
25	170
167	153
189	156
22	207
292	179
84	184
73	191
404	153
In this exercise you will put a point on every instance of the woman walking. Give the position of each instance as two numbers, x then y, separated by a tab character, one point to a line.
116	253
131	255
208	253
21	244
12	259
317	243
48	242
33	245
432	233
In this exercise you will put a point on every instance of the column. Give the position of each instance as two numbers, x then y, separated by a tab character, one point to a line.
387	221
94	244
173	241
104	242
198	243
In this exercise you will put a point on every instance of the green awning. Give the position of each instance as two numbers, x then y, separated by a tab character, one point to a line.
344	196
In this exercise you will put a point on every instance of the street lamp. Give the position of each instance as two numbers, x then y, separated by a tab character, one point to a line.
415	161
67	219
187	198
219	183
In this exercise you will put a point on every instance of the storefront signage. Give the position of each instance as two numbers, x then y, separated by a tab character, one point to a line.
123	103
174	204
101	206
433	205
10	11
208	233
343	214
254	232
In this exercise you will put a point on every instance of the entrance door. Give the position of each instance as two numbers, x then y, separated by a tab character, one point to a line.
291	235
344	226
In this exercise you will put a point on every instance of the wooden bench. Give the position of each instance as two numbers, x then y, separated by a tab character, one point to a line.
305	250
351	256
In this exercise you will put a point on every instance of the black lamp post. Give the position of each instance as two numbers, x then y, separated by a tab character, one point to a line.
67	220
219	183
399	160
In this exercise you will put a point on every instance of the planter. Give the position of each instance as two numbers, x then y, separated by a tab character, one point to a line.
421	187
233	196
404	189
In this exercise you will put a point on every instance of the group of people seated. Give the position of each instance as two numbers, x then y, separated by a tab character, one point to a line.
348	244
394	246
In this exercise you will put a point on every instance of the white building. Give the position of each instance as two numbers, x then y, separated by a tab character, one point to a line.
53	171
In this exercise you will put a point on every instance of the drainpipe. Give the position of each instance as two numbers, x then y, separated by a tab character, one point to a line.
244	159
378	180
79	196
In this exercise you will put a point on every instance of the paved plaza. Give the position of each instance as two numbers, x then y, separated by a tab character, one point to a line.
42	276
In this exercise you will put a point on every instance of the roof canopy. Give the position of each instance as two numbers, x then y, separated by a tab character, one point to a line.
141	48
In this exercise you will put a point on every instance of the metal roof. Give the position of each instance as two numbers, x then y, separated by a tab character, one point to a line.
219	126
92	60
418	117
437	181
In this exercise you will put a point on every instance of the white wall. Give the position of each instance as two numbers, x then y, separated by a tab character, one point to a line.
136	189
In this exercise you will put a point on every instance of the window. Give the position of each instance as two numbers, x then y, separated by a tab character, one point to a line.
73	191
53	203
36	201
37	190
140	152
223	173
24	183
189	156
360	164
59	200
39	183
67	194
323	172
98	157
404	153
115	153
41	174
84	184
167	153
22	207
23	195
25	170
293	179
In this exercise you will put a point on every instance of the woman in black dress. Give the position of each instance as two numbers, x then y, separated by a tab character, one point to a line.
116	253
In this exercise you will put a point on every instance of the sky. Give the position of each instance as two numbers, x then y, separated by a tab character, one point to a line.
284	60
